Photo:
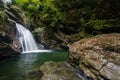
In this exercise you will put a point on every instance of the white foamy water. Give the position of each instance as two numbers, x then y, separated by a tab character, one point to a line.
7	1
25	38
38	51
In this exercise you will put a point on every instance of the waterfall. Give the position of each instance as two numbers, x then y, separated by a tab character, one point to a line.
7	1
25	38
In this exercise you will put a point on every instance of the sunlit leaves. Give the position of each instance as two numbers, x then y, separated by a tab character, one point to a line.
32	7
35	1
2	17
96	24
21	2
52	11
48	4
44	16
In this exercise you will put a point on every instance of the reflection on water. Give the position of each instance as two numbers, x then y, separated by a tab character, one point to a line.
17	68
26	61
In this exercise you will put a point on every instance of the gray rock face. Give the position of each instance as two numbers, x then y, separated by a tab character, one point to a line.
9	45
57	71
50	41
9	14
98	57
16	14
111	71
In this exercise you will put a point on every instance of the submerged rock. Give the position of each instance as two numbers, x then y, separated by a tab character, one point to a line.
57	71
97	57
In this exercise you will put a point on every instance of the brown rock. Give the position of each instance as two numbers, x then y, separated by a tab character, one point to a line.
98	57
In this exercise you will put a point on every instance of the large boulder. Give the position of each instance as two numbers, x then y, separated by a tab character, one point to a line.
97	57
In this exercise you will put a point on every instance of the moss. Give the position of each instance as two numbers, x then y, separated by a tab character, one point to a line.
2	17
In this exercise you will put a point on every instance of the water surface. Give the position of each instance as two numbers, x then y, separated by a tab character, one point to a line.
17	68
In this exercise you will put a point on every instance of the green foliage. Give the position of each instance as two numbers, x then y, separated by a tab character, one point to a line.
41	10
35	1
31	7
55	12
82	21
96	24
75	15
2	17
92	26
2	14
21	2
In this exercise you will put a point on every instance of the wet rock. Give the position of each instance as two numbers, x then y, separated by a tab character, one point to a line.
9	45
16	14
7	50
57	71
97	57
48	39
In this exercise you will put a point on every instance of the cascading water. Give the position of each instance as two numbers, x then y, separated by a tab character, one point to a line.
25	38
7	1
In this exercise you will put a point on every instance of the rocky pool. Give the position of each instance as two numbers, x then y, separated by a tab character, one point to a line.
18	68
